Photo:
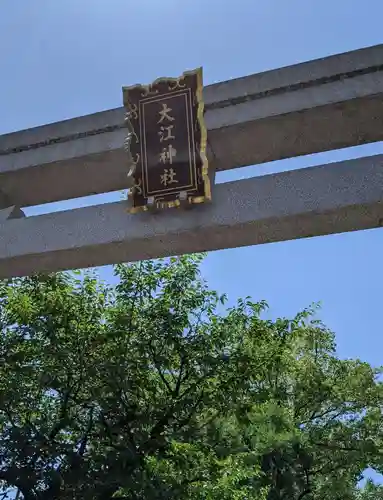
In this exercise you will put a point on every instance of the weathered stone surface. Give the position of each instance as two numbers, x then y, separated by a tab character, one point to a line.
306	108
334	198
10	213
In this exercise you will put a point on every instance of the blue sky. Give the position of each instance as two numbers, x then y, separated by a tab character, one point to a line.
61	59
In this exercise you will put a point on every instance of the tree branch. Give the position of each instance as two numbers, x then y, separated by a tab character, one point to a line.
84	439
60	424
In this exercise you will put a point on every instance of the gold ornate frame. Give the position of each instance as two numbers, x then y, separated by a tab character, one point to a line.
173	84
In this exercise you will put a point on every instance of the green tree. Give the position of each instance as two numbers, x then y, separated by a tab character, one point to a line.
151	390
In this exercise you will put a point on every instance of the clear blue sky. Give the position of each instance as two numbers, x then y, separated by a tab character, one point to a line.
65	58
61	59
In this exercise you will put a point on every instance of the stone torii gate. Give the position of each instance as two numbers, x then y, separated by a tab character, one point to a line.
317	106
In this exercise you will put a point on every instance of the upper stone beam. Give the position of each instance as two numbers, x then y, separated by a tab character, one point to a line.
311	107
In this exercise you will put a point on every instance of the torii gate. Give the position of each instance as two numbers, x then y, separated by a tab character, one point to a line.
312	107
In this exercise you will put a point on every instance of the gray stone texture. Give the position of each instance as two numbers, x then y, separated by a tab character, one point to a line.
333	198
306	108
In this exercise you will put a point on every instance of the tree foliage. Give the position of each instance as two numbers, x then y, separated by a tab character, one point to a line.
151	390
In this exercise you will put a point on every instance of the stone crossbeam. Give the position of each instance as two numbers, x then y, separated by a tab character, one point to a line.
315	106
333	198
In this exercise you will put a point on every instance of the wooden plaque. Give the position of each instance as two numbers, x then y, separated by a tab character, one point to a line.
167	142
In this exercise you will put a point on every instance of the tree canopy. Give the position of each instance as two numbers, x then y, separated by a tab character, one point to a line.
155	389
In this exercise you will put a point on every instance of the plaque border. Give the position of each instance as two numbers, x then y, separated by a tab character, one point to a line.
147	91
186	93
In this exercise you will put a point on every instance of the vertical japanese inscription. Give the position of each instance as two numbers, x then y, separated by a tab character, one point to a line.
167	142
